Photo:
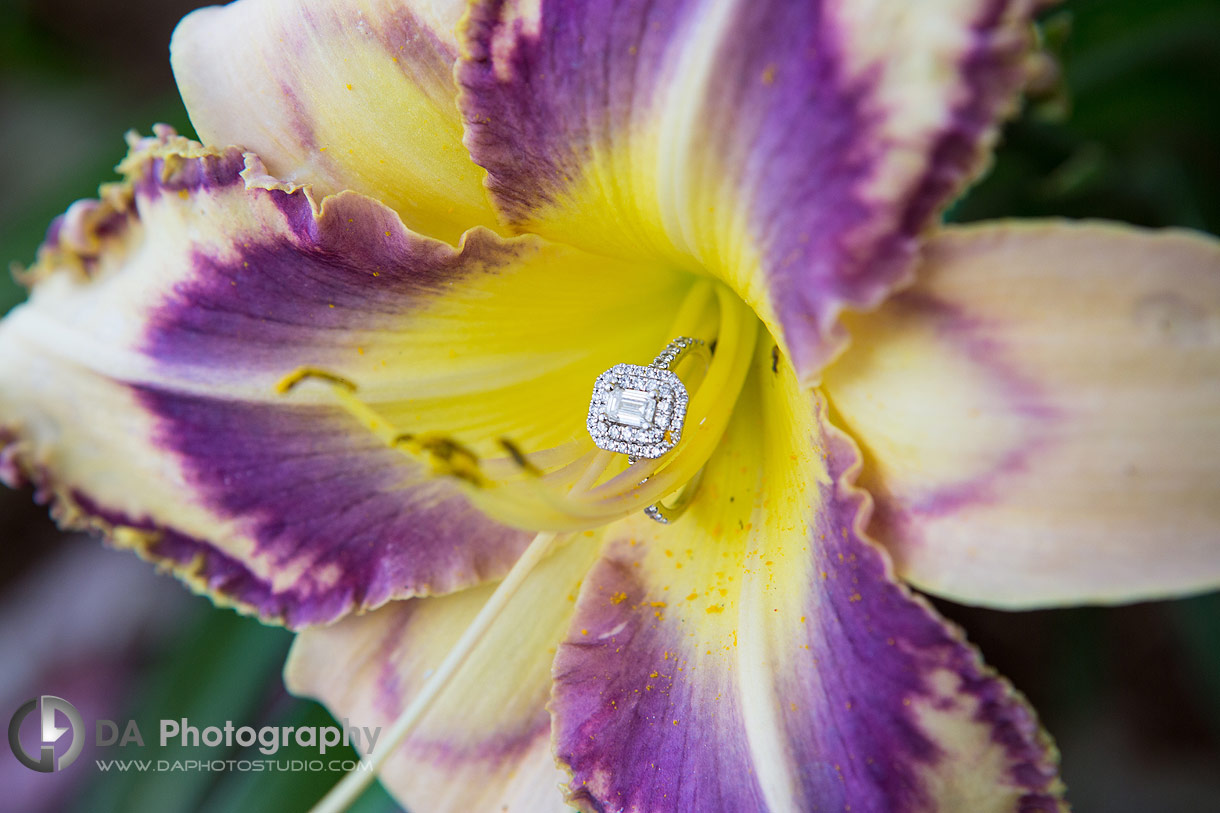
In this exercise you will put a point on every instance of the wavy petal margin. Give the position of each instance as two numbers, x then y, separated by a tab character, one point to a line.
796	150
138	387
341	94
486	743
1041	414
758	655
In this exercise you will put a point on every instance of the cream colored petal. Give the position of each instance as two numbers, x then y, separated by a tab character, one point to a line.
1041	414
343	94
486	744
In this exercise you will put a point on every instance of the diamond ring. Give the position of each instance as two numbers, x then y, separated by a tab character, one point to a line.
639	411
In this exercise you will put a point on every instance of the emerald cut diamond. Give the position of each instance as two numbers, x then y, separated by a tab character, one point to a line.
631	407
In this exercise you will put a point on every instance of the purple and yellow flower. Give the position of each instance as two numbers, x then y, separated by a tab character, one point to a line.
337	376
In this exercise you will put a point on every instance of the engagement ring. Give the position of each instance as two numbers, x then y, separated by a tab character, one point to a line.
639	411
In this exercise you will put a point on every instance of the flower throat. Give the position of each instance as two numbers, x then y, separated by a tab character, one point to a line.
576	486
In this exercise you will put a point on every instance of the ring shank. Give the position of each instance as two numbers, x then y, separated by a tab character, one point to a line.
676	352
679	350
666	514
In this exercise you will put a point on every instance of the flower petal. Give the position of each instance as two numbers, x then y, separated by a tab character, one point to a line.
138	386
486	743
795	150
1040	413
345	94
757	655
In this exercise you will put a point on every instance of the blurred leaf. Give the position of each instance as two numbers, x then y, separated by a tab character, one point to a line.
67	102
293	791
1139	143
223	668
1198	624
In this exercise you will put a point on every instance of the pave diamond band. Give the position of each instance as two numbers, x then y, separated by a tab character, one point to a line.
677	350
640	411
666	514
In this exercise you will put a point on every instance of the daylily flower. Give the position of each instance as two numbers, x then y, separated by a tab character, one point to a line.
337	376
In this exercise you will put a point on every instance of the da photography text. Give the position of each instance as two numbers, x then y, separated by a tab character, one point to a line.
269	739
55	733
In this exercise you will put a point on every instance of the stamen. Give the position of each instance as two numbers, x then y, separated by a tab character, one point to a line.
593	473
542	463
694	316
344	794
443	455
562	488
305	373
714	400
519	457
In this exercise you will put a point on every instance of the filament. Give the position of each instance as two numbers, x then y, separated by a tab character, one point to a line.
566	488
344	794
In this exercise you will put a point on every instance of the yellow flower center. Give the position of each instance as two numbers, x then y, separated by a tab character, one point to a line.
575	486
595	487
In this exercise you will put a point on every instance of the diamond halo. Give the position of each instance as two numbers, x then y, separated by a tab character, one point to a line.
637	411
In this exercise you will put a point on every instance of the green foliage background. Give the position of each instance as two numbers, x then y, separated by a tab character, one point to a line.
1129	130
